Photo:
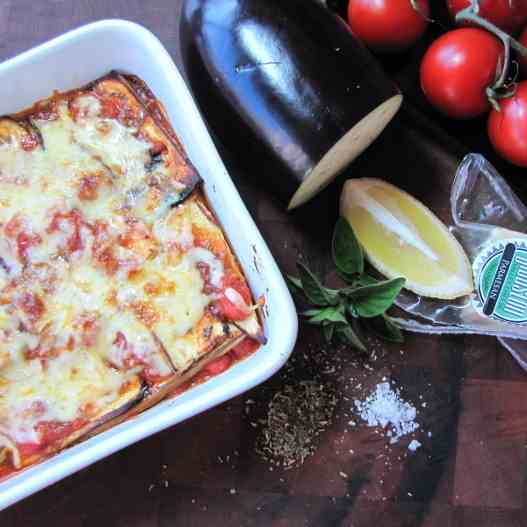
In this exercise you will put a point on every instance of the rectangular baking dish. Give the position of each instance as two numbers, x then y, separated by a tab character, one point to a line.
70	61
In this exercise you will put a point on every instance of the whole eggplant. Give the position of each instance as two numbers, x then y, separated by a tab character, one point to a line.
339	6
286	87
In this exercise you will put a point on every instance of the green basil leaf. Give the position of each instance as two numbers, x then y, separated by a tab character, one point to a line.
373	300
393	332
311	312
366	279
386	329
316	293
357	283
330	314
357	279
295	285
346	333
328	332
347	252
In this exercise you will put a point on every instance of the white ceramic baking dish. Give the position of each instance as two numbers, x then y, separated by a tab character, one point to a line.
72	60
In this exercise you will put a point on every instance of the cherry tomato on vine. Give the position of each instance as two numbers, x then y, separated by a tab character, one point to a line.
388	25
456	70
507	129
508	15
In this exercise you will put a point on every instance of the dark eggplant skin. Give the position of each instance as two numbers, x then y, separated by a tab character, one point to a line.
339	6
280	82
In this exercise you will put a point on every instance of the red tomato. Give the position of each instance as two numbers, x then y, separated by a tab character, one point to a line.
457	68
507	128
235	298
218	365
388	25
523	60
29	449
53	431
509	15
245	348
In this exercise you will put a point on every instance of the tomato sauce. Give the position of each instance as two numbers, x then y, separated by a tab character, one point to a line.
74	218
240	352
15	228
89	186
115	106
29	142
24	241
32	305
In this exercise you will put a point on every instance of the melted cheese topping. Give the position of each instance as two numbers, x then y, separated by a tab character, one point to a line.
167	297
55	392
215	265
117	148
103	285
174	229
83	289
141	345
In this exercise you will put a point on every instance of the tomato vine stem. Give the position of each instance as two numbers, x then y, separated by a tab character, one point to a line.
494	92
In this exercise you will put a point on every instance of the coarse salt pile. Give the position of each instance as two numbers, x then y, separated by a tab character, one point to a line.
385	408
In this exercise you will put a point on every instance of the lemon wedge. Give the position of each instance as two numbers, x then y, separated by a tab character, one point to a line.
402	237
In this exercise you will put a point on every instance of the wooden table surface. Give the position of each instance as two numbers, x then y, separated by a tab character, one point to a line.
472	397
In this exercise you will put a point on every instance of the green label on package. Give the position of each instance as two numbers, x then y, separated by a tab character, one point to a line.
500	273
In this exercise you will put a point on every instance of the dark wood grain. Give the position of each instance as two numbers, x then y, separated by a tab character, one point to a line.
470	471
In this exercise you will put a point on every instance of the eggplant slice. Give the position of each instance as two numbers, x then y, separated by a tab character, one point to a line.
164	391
155	126
20	131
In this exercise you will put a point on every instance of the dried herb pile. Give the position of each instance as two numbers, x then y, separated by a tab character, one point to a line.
296	416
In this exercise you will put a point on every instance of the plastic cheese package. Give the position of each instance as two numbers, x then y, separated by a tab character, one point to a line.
490	222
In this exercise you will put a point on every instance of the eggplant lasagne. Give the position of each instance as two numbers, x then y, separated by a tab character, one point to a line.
117	285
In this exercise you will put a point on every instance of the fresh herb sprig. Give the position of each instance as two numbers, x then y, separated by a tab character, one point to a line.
342	313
